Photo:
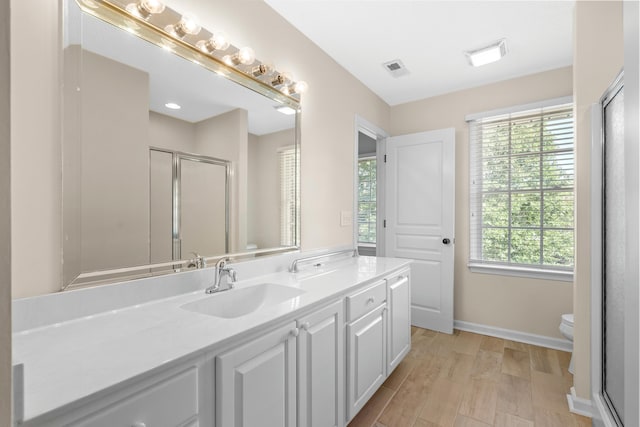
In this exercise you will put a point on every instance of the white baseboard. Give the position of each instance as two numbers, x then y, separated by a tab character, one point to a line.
539	340
579	405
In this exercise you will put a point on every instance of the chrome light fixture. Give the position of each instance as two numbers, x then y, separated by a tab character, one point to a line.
148	19
488	54
145	8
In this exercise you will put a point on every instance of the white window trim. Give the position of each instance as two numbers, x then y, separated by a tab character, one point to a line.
519	108
532	273
515	270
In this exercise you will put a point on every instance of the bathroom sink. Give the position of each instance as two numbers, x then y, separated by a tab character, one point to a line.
239	302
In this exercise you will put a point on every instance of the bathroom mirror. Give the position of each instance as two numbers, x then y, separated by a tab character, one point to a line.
165	160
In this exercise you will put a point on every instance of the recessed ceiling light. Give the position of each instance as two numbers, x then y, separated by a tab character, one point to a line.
488	54
172	106
285	110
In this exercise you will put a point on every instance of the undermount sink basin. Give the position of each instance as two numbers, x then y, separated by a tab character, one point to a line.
242	301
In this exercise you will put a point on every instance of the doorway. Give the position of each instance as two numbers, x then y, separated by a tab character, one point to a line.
369	207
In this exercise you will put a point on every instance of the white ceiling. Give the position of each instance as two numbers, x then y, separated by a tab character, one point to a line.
430	38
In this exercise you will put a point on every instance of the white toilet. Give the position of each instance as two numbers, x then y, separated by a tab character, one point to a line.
566	329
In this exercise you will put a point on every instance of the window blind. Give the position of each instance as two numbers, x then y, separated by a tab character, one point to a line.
522	189
289	196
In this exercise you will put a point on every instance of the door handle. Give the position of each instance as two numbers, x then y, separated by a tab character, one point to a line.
446	241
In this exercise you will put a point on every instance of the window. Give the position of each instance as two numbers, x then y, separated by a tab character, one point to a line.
289	196
367	200
522	176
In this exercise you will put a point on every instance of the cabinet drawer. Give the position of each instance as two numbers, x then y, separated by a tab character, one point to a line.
366	300
169	403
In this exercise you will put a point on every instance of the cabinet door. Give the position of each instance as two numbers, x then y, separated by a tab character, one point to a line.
321	368
399	304
367	358
171	402
256	382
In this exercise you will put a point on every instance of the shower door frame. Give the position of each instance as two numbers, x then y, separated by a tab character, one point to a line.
603	413
176	211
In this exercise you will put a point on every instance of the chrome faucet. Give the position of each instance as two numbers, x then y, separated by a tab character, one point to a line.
197	262
221	271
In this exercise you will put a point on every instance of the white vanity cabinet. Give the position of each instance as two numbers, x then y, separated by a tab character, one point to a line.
175	397
172	402
366	345
321	368
399	304
290	376
256	381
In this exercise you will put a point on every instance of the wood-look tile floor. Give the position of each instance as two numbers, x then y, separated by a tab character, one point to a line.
471	380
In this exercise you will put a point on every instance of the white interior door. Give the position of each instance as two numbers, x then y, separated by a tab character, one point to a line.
420	195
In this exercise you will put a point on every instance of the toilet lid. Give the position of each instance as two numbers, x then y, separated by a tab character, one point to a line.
567	319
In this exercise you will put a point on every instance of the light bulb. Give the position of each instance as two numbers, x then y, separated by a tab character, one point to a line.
218	42
246	56
145	8
153	6
188	25
300	87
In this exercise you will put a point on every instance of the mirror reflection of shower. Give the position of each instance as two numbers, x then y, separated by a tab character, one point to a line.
189	207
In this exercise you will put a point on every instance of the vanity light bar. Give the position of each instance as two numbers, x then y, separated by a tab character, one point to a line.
185	28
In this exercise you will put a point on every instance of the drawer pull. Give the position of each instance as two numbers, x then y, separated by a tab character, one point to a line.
370	300
139	424
295	332
305	326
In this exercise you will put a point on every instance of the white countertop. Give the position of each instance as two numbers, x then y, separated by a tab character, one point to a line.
71	360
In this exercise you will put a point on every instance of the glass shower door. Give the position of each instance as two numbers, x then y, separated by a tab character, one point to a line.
613	253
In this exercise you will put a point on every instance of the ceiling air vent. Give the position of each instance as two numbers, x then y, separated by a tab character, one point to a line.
396	68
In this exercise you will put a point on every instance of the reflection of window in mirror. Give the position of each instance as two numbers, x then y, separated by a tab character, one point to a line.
289	195
367	200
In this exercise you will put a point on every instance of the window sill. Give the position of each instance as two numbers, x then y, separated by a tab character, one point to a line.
533	273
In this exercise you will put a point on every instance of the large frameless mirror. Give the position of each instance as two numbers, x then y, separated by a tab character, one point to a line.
164	158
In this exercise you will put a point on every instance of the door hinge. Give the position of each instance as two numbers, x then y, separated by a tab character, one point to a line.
384	223
385	158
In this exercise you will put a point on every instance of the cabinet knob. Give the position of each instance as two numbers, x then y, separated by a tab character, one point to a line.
139	424
305	326
370	300
295	332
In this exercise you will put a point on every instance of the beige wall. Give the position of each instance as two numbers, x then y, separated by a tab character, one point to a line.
115	158
35	148
521	304
171	133
226	137
264	175
5	222
597	58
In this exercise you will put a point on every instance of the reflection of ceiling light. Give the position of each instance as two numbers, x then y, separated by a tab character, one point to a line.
285	110
172	106
488	54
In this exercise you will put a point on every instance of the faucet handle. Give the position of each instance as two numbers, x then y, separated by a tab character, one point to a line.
198	261
222	262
